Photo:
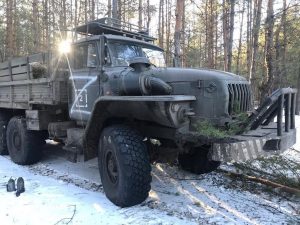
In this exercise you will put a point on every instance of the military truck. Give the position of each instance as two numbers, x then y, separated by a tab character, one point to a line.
113	97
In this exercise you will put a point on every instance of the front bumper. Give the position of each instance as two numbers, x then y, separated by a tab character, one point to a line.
264	138
254	144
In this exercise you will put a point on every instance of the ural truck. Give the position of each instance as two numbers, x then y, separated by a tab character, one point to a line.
113	97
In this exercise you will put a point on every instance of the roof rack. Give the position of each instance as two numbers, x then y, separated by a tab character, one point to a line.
113	26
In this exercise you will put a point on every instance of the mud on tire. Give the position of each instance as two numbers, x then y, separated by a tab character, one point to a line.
124	166
197	162
24	146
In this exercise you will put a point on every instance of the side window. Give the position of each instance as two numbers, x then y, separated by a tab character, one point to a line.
85	56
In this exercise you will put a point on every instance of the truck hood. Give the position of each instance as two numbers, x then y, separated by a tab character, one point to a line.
171	74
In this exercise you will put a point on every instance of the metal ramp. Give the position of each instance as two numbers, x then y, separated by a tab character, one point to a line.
264	137
284	98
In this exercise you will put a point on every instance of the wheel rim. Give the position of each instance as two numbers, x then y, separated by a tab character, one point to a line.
16	138
111	167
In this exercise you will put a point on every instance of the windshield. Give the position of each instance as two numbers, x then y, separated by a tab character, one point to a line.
122	52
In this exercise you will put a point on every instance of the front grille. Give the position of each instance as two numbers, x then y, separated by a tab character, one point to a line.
239	98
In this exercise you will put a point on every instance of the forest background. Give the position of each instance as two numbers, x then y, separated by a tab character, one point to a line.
258	39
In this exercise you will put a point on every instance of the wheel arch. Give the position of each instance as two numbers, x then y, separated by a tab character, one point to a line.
120	109
101	117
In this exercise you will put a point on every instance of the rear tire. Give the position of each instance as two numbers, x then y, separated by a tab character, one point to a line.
197	162
4	118
24	146
124	166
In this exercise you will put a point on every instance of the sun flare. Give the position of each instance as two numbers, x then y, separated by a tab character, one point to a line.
64	47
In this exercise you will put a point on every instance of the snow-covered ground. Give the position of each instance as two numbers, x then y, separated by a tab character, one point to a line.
61	192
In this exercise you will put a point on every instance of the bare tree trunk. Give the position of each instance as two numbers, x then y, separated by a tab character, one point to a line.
76	14
109	9
283	74
240	40
209	33
231	28
216	19
200	50
225	33
85	11
35	25
249	37
115	9
182	41
269	33
63	20
206	33
16	51
277	69
9	41
161	24
177	33
53	22
254	47
256	27
47	24
148	15
92	10
298	93
121	10
140	14
168	22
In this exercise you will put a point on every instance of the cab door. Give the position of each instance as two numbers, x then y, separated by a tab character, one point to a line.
84	80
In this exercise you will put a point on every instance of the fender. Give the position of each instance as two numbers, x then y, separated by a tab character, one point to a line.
107	107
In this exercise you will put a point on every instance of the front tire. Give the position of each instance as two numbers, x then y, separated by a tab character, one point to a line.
24	146
197	161
124	166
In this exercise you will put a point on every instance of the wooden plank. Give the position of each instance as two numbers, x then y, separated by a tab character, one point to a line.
4	78
29	76
4	72
22	82
15	77
4	65
20	76
20	69
14	105
20	90
11	87
18	61
5	94
10	71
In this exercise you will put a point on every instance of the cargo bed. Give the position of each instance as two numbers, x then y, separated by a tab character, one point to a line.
36	79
